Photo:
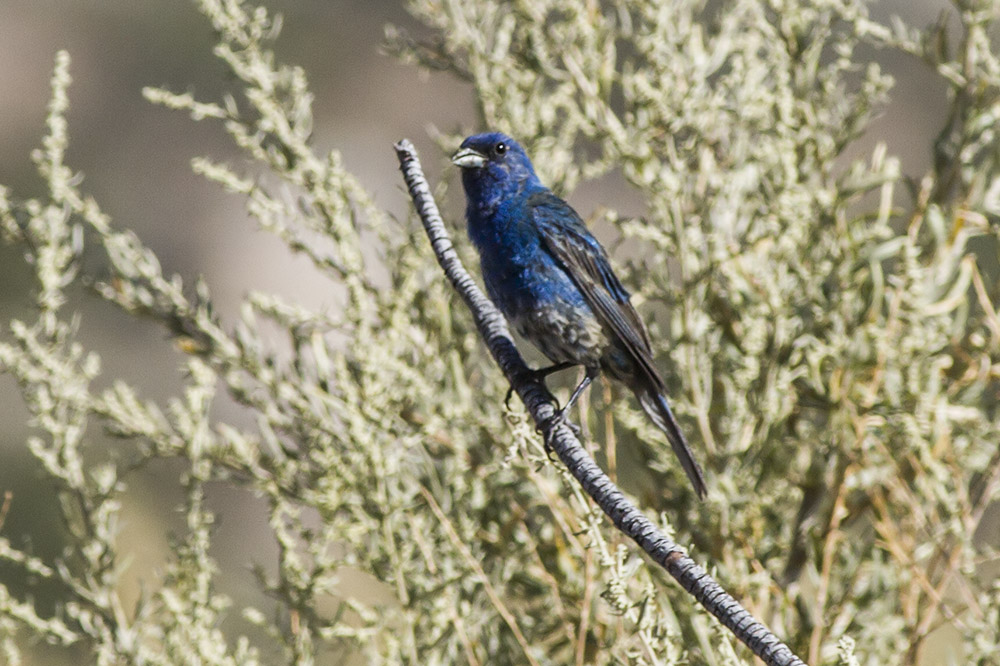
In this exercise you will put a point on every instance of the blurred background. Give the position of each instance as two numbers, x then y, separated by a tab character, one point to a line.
135	158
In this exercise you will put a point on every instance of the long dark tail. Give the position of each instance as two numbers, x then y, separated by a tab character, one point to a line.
655	405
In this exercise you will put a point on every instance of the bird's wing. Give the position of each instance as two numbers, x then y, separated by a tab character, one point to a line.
567	239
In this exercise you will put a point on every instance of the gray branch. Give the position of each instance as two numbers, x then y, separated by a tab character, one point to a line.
540	403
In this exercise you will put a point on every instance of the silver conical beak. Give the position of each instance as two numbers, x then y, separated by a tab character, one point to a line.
467	158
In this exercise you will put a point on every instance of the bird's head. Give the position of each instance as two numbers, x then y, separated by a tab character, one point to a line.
493	165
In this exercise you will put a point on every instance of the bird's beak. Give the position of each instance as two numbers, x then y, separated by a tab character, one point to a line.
467	158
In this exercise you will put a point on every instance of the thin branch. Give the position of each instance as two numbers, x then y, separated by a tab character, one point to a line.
594	481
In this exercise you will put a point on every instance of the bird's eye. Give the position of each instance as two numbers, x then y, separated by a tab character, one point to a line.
500	148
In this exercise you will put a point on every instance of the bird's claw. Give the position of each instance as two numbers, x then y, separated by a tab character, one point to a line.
547	429
537	376
533	376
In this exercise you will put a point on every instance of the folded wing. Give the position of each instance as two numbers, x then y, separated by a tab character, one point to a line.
566	238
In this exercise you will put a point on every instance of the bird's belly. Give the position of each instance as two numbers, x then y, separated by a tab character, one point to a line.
544	306
563	331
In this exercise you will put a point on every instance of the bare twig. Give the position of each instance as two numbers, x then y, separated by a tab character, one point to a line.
540	404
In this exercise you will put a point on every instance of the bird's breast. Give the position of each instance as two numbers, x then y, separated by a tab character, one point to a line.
532	290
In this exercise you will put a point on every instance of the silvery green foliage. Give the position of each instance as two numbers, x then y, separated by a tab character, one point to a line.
834	354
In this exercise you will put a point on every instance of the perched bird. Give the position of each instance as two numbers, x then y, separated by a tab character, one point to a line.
553	281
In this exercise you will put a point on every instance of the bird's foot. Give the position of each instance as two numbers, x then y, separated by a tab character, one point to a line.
533	375
510	394
536	376
547	429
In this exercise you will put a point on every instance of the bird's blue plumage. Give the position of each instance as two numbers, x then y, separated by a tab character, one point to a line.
552	279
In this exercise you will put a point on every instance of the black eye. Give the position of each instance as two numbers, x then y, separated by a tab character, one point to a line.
500	148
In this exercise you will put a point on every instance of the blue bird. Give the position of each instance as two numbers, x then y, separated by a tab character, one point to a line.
553	281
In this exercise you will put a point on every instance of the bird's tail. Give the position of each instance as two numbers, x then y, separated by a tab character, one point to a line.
655	405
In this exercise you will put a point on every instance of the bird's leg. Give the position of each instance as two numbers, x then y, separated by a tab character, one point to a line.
587	379
537	376
560	415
